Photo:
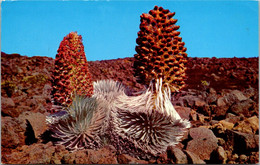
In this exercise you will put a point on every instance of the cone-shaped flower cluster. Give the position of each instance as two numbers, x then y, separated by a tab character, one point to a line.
160	50
71	75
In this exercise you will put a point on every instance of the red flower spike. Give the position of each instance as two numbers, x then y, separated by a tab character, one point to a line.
70	67
160	50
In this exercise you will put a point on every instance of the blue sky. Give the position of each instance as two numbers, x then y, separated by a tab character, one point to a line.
109	28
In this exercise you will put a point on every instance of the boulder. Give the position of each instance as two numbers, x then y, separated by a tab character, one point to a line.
79	156
231	118
242	107
193	115
102	156
127	159
226	124
7	102
177	155
220	111
203	142
249	125
58	155
33	154
162	158
12	132
238	95
199	103
241	142
8	107
184	112
193	158
34	119
250	92
218	156
106	155
229	98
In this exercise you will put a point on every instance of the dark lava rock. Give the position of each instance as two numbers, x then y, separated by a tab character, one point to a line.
32	154
36	120
249	125
230	98
127	159
218	156
242	107
220	111
203	142
241	142
58	156
184	112
12	133
163	159
193	158
106	155
177	155
8	107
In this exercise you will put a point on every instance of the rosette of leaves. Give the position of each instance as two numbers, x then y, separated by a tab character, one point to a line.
71	75
142	126
81	126
160	50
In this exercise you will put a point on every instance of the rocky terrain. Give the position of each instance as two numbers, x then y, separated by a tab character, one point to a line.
221	100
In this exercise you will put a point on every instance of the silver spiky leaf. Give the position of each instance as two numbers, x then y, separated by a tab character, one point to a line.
82	126
150	133
143	125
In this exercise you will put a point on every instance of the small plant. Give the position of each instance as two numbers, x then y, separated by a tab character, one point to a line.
71	75
9	87
36	79
205	84
160	50
81	126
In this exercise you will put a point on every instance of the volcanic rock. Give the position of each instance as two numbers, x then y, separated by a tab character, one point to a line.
58	156
127	159
184	112
229	98
249	125
193	158
12	133
36	120
177	155
8	107
220	111
241	142
106	155
33	154
218	156
232	118
226	124
203	142
242	107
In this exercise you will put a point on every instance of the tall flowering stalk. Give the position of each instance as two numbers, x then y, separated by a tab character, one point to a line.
160	50
71	75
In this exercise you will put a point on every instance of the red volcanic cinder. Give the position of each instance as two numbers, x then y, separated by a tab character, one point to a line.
160	50
71	75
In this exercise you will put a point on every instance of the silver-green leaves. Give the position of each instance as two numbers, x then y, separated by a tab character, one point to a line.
142	126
